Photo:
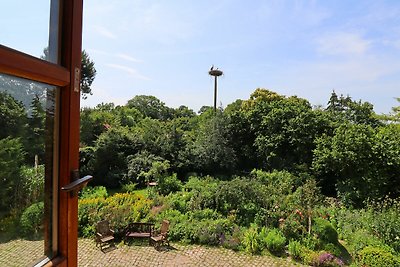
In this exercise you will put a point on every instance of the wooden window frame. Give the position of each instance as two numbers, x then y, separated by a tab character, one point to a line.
65	75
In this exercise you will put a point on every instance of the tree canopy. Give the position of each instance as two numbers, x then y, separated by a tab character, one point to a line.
351	153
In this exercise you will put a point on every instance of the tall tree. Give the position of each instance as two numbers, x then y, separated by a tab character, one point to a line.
35	138
211	148
12	116
345	109
151	106
88	72
11	159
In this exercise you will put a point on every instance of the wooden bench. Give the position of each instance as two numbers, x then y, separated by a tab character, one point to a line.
138	230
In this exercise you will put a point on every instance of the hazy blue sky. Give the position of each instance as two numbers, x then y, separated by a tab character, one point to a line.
303	48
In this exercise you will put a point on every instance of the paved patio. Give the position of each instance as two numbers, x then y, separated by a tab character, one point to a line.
143	255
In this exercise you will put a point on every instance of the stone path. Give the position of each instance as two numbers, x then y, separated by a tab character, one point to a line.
143	256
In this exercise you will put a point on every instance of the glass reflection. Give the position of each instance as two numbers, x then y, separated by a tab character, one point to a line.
27	119
31	27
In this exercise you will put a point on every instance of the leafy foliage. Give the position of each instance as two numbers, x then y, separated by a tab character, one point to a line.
110	159
119	209
32	219
88	73
377	257
13	116
275	241
11	159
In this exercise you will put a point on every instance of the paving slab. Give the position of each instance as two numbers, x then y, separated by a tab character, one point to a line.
20	252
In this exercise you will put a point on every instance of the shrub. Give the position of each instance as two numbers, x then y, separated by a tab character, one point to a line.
295	249
275	241
310	242
212	232
309	256
9	226
178	224
32	183
294	225
129	187
325	231
361	239
251	241
203	192
326	259
32	219
93	192
376	257
178	201
234	240
386	222
332	249
169	184
120	209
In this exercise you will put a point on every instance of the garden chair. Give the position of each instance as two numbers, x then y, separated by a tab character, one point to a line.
104	235
161	237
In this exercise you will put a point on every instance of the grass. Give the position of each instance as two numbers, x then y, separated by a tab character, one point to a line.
143	191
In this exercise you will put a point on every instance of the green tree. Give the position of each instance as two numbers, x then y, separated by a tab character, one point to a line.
11	159
112	150
284	129
127	116
94	121
184	111
88	73
151	106
345	109
211	147
35	138
12	116
139	166
241	137
359	161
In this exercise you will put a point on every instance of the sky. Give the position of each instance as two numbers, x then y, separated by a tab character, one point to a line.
165	48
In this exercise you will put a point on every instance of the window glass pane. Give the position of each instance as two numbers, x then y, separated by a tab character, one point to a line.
27	26
27	170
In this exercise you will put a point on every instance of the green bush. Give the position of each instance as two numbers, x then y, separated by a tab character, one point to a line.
234	240
129	187
362	238
212	232
310	242
373	226
32	219
295	249
334	249
199	227
93	192
376	257
179	201
325	231
386	222
275	241
251	241
32	186
178	229
169	184
120	209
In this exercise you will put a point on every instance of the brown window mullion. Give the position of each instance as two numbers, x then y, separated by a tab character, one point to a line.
25	66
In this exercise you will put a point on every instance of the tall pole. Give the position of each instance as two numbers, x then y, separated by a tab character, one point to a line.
216	73
215	93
